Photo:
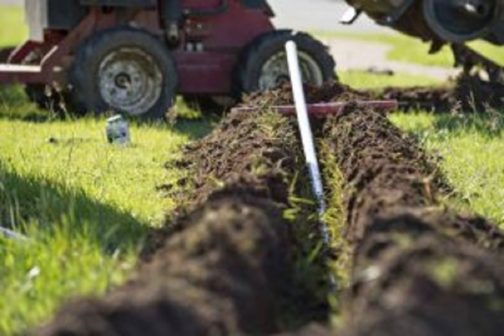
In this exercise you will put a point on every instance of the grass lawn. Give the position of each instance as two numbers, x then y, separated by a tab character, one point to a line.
472	148
411	50
13	30
85	205
364	80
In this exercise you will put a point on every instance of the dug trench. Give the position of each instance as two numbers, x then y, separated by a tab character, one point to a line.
418	268
225	263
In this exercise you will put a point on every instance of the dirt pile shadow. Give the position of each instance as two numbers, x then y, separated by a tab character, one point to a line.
418	268
223	268
30	199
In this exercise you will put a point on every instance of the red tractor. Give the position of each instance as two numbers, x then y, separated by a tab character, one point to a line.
135	56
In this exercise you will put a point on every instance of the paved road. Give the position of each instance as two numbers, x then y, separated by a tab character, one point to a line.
319	15
365	55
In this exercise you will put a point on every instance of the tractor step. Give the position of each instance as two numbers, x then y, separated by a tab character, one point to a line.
323	110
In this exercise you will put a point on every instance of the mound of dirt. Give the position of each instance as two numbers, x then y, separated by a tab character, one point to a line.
329	92
217	278
243	149
222	271
427	284
465	94
385	169
417	266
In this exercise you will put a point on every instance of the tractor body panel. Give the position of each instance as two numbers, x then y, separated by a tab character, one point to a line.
205	73
223	38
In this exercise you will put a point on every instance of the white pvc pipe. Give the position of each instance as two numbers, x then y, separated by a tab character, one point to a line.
307	138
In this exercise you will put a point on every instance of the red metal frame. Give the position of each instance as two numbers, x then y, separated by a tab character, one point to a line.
20	53
322	110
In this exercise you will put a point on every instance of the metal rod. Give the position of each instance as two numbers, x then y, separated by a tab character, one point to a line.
307	140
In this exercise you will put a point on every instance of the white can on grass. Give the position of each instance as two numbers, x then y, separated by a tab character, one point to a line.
118	130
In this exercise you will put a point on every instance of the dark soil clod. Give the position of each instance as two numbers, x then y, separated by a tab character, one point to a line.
418	268
214	279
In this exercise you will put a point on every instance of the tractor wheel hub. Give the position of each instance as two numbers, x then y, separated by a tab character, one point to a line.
129	81
276	71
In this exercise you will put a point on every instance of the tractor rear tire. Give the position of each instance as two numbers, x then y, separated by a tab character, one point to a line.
36	94
263	65
124	70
